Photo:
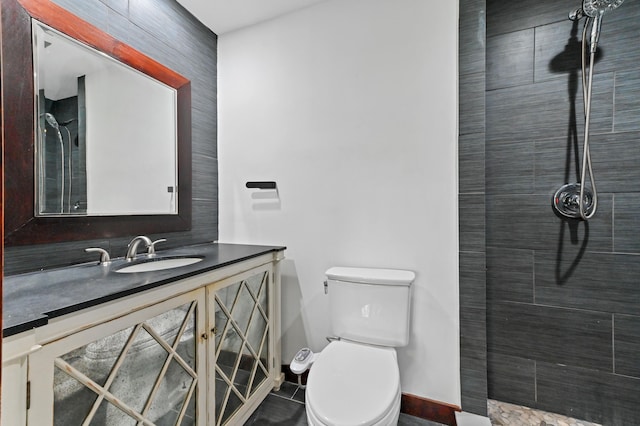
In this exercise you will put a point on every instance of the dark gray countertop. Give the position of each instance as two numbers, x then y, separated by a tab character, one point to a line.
29	300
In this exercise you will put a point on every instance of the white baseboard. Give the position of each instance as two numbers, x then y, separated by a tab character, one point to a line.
468	419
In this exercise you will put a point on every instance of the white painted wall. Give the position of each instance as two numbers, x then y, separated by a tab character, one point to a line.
350	106
118	150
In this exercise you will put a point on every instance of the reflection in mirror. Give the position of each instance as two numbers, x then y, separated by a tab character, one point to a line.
105	133
24	127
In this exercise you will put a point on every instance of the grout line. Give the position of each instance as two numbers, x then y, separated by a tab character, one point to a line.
535	381
533	65
535	167
533	273
613	342
294	394
613	223
613	112
287	398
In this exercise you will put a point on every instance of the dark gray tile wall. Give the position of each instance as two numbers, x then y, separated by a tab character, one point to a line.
510	59
510	272
603	282
166	32
472	222
504	17
627	343
471	148
511	379
543	333
547	109
526	221
472	163
563	301
626	218
597	396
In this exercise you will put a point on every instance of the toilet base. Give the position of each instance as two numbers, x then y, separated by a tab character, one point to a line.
390	419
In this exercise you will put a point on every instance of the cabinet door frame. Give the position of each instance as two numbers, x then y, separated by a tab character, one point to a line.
273	379
41	364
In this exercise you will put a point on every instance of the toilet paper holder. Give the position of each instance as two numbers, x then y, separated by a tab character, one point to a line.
261	185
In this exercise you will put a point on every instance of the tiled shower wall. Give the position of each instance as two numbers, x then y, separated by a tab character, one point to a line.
64	110
473	343
163	30
563	296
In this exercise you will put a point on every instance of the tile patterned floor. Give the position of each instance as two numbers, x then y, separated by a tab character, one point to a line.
286	408
505	414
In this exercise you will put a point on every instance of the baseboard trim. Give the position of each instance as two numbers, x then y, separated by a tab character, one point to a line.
413	405
429	409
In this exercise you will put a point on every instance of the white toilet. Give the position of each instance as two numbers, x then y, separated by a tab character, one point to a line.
355	380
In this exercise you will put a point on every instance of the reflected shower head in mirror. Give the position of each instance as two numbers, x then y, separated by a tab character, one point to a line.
51	120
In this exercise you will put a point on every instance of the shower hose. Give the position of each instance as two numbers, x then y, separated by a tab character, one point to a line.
586	152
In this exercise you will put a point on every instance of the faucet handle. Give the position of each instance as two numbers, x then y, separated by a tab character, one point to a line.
104	255
152	246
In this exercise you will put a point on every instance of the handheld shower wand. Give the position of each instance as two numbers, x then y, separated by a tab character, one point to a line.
596	25
51	121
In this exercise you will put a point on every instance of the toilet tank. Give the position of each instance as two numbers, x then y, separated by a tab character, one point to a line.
370	305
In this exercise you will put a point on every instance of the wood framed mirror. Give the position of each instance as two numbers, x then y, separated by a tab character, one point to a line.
20	126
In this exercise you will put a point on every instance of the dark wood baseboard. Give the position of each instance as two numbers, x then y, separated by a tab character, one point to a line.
425	408
410	404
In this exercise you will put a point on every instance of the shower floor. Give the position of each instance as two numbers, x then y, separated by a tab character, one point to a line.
505	414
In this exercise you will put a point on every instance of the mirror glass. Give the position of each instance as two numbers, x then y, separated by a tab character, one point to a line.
106	134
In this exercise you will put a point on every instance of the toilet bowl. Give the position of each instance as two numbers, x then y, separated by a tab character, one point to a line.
354	384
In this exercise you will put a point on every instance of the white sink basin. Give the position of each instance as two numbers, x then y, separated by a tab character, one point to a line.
159	264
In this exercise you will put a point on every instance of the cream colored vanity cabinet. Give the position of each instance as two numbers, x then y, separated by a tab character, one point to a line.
15	351
247	354
203	350
146	367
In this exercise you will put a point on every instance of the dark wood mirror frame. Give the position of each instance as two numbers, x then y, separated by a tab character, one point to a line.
21	226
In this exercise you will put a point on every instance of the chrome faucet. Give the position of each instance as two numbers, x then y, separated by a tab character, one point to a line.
104	255
132	248
152	248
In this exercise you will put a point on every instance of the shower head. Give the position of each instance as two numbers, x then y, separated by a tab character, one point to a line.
595	8
51	120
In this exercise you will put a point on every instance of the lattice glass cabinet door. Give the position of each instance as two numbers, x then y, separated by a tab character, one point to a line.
242	344
145	368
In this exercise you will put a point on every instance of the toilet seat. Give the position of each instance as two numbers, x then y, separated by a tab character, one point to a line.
354	384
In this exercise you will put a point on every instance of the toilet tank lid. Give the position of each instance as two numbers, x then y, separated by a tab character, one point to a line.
371	275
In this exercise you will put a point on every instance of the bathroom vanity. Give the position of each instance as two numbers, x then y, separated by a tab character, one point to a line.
195	344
